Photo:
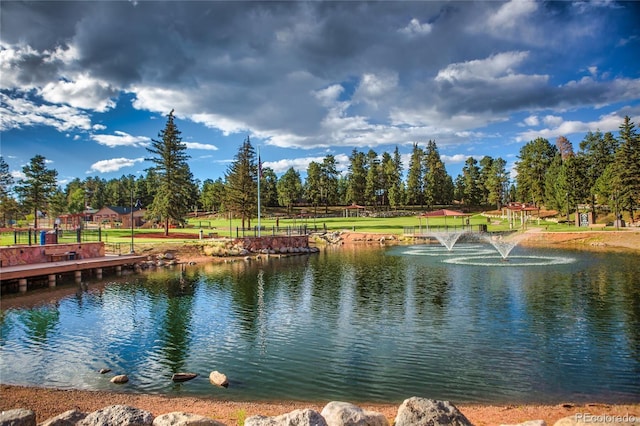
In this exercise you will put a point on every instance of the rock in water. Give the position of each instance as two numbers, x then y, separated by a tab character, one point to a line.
183	377
218	379
119	379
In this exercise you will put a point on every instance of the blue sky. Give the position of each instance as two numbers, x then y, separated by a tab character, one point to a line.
89	84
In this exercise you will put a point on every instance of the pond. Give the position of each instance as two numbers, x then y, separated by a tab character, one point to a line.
358	324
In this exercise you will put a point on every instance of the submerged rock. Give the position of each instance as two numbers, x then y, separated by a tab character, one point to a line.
120	378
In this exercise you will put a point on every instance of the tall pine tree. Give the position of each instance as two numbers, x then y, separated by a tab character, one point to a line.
242	186
175	193
38	185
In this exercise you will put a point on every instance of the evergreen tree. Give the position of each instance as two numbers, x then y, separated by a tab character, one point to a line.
329	181
37	186
289	189
535	158
396	185
497	183
356	178
415	193
471	178
6	180
268	187
313	185
241	183
372	183
58	202
438	187
486	164
212	195
628	170
175	192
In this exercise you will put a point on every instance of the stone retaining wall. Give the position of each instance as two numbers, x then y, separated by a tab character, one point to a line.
26	255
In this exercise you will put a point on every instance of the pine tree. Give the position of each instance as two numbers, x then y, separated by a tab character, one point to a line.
415	192
175	192
497	183
628	171
396	185
37	186
437	182
356	178
535	158
329	181
289	188
241	182
372	183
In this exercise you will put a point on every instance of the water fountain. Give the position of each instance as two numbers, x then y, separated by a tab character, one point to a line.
503	246
447	239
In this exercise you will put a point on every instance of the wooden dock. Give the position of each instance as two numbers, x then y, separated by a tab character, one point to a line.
23	273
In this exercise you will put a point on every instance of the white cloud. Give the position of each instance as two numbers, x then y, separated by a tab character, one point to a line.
301	164
493	67
18	175
18	112
198	145
330	95
83	92
121	139
511	14
113	164
552	120
415	28
532	120
606	123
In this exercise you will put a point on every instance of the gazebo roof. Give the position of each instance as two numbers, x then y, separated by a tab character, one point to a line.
444	213
354	206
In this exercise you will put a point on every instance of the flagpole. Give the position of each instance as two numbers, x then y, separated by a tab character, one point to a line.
259	176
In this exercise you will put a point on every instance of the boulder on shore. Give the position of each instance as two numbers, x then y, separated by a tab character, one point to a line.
179	418
338	413
306	417
68	418
417	411
121	415
18	417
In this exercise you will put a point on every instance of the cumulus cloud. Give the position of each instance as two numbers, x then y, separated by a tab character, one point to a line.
113	164
415	28
301	164
120	139
203	146
301	74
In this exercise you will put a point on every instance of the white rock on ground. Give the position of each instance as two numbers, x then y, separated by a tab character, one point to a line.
68	418
121	415
417	411
338	413
178	418
306	417
18	417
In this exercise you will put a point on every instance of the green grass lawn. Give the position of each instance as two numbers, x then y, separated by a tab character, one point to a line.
224	227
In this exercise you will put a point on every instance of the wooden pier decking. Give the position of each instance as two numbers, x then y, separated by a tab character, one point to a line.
51	269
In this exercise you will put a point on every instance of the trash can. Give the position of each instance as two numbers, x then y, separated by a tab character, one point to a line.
51	237
72	255
43	238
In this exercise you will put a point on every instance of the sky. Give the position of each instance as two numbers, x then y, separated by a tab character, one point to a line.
88	85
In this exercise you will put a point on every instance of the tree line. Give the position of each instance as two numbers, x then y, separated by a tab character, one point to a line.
605	170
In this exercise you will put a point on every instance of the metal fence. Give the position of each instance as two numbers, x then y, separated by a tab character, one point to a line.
39	237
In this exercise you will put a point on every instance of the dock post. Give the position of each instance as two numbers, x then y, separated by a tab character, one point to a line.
136	267
78	277
99	273
22	283
52	280
118	270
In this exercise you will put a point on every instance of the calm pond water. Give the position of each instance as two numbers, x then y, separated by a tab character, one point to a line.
351	324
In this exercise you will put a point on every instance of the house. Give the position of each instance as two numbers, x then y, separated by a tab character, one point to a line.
117	216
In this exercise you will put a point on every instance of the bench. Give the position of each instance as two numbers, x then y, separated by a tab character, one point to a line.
55	255
598	225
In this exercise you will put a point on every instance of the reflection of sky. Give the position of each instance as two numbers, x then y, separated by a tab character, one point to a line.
373	326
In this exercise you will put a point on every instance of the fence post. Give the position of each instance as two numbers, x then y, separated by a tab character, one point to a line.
15	237
99	234
29	236
79	234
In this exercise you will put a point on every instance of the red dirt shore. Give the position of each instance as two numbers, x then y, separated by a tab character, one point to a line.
47	403
50	402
